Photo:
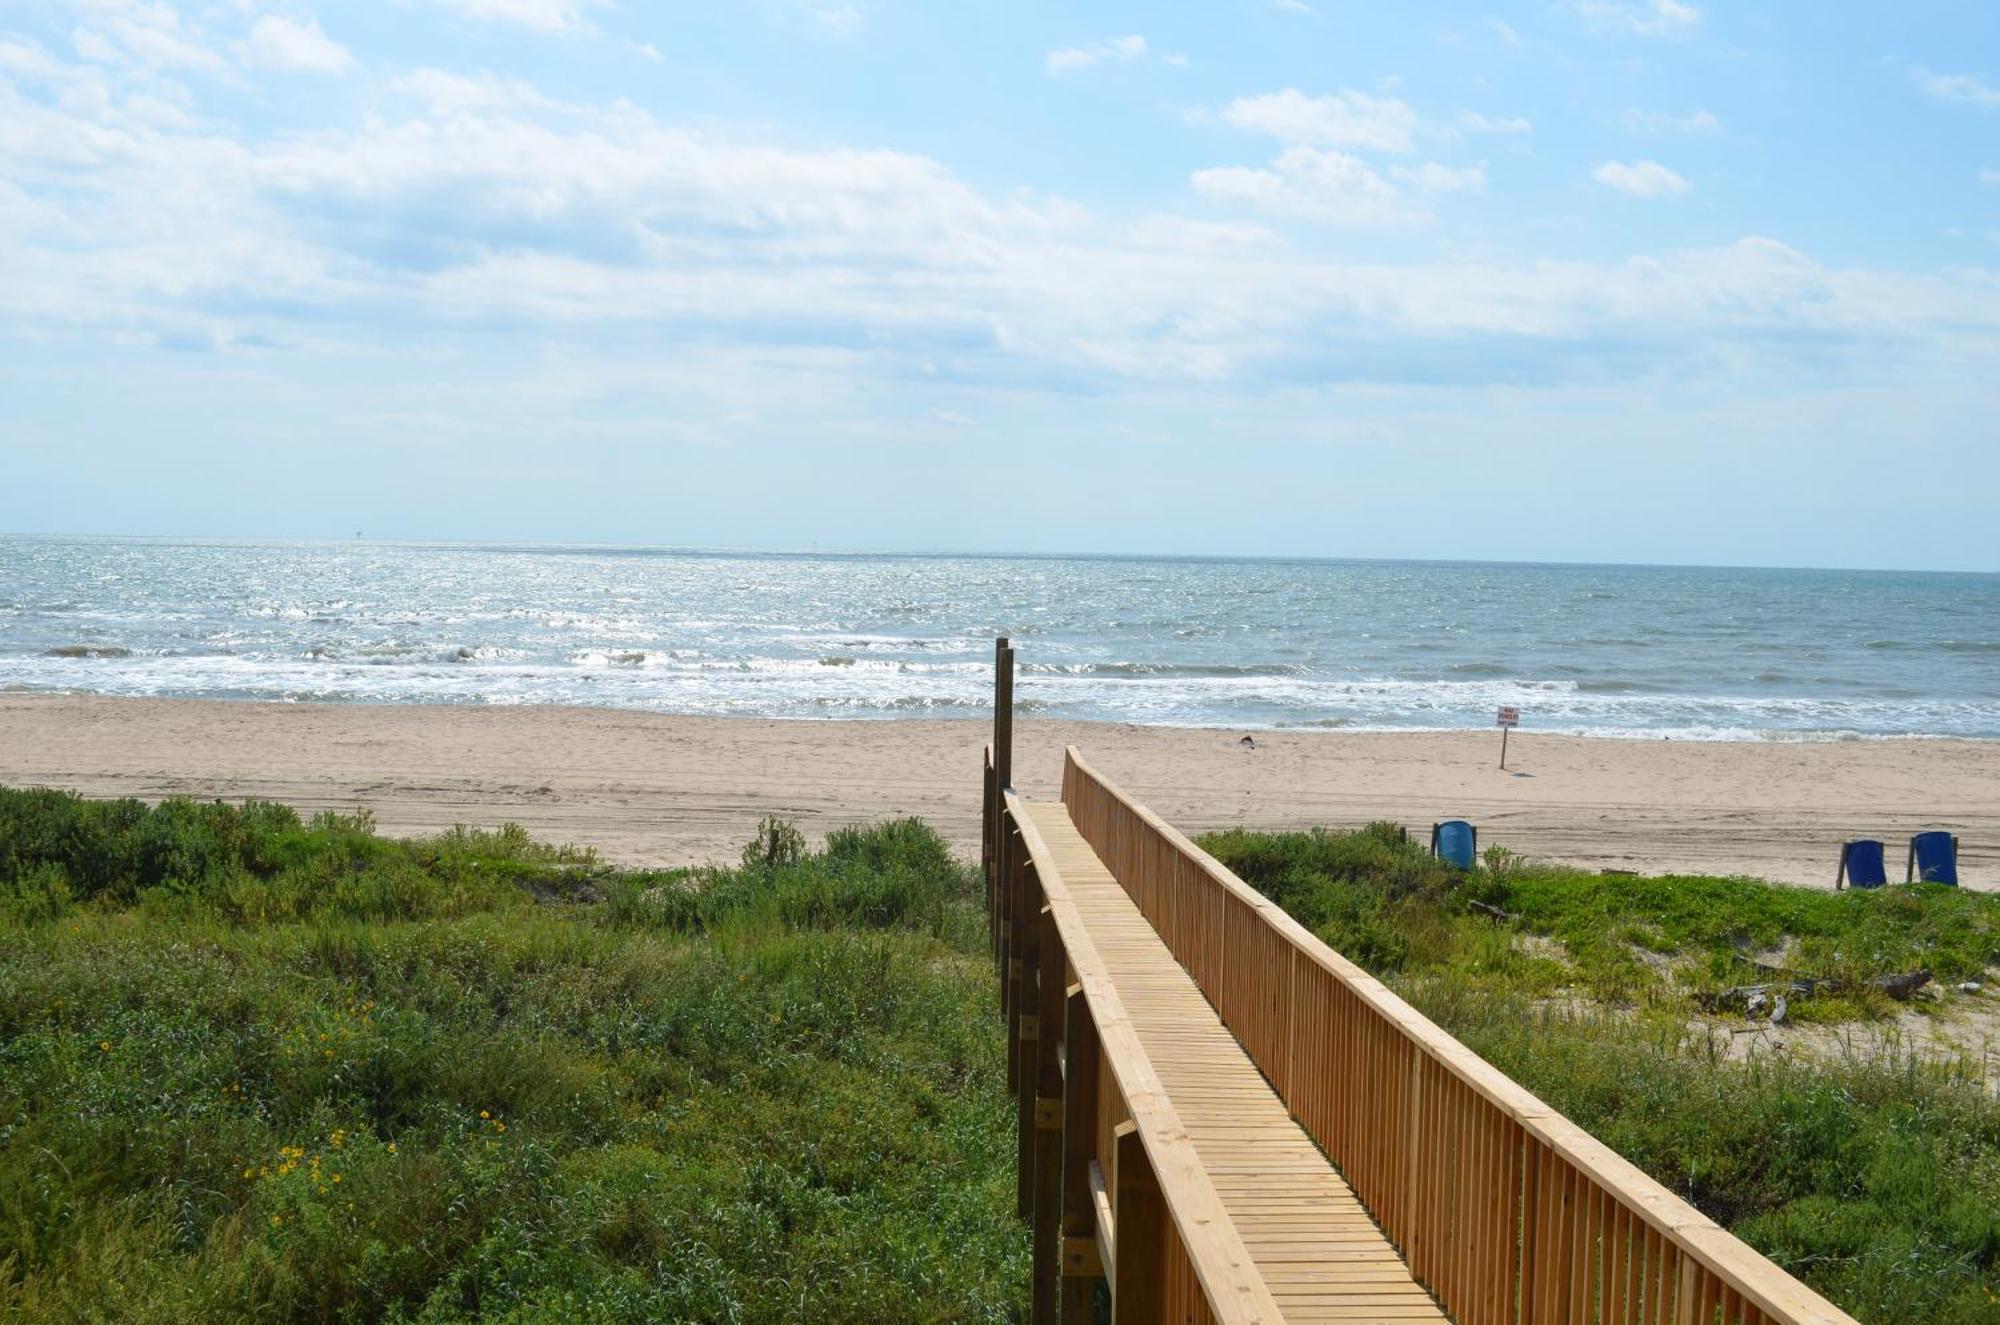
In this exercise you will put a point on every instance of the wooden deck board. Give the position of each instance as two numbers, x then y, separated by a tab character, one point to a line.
1323	1258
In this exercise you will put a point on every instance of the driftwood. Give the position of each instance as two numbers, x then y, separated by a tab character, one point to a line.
1743	996
1487	909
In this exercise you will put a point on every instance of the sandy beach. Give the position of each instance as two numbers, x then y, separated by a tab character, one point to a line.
646	788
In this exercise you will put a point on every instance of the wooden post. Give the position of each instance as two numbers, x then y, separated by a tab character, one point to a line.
1019	933
1081	1265
1139	1215
1503	745
1027	1050
1005	866
1047	1226
1003	713
993	819
1001	776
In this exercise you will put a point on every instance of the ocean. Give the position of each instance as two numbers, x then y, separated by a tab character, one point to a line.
1687	653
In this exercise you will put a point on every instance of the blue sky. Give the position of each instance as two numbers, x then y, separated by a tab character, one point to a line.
1636	280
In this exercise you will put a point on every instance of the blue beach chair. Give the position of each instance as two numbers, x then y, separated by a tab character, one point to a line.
1861	865
1933	858
1455	842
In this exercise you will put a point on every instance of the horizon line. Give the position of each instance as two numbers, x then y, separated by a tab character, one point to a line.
945	553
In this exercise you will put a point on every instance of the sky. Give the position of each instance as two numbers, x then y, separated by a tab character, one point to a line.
1600	280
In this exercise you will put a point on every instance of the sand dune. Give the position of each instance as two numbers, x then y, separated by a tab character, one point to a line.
648	788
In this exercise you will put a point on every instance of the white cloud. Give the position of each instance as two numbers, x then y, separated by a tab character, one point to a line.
1653	121
1641	179
1119	50
1967	89
1313	184
1504	31
141	32
1474	122
1435	177
1347	119
454	205
446	94
296	45
553	16
29	62
1989	177
1293	6
1646	18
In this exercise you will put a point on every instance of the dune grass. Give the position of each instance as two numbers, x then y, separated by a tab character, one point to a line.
1629	939
258	1069
1873	1176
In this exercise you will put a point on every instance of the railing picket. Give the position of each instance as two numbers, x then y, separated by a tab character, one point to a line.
1614	1268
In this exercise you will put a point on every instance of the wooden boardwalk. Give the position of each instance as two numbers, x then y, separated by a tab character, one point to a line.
1225	1122
1318	1251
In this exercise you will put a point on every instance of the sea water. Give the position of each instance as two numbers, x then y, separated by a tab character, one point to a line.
1688	653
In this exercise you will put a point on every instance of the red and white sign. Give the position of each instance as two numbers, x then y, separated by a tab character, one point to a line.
1508	718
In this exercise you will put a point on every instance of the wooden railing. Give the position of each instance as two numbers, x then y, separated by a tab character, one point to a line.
1508	1212
1108	1178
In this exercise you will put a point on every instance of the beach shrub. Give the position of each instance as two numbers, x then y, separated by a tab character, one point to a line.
253	1068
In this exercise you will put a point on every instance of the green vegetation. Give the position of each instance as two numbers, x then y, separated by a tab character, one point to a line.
1873	1176
258	1069
1387	904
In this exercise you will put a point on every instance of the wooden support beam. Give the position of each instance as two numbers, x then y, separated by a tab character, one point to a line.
1139	1275
1047	1226
1083	1266
1081	1271
1027	1041
1018	932
991	818
1005	853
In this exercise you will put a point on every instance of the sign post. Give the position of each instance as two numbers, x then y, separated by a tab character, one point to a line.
1509	719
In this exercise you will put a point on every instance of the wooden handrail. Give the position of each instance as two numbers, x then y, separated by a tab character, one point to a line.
1504	1208
1234	1290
